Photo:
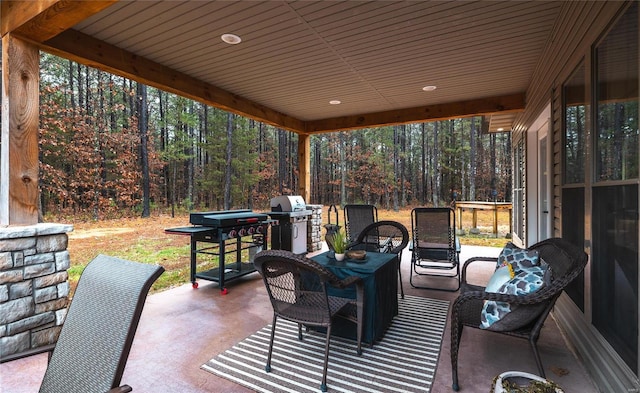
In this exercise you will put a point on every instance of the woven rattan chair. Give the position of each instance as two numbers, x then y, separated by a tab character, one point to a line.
566	262
435	249
297	287
98	331
384	236
356	218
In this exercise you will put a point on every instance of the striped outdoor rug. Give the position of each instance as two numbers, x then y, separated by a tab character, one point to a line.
404	361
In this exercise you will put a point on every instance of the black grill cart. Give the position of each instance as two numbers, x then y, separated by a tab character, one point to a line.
225	234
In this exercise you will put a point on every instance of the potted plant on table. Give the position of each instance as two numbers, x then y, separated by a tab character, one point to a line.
339	245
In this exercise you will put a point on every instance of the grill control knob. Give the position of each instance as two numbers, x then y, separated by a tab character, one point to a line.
232	233
251	230
259	229
242	232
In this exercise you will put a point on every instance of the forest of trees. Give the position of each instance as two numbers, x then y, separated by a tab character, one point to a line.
110	146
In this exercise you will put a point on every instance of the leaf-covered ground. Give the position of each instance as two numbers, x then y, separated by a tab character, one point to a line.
144	240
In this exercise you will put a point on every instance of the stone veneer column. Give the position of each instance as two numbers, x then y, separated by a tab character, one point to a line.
314	228
34	286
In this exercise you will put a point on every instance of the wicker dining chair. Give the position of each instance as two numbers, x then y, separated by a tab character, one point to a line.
356	218
566	262
298	290
94	343
384	236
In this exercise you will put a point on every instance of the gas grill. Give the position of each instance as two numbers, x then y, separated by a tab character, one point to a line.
290	233
231	232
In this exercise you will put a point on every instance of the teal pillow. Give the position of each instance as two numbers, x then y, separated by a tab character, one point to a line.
501	276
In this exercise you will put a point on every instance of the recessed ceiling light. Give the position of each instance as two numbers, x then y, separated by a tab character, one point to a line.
429	88
500	129
335	102
231	39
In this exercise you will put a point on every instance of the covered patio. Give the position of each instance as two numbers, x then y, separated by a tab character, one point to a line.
183	328
313	67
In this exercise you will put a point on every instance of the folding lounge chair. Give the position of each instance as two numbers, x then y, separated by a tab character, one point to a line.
356	218
96	337
435	249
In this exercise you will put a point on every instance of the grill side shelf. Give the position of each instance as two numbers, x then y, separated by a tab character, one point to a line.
189	230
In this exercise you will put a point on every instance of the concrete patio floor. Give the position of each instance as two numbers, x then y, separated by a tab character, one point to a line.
182	328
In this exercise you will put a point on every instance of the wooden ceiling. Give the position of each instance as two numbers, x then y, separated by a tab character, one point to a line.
296	56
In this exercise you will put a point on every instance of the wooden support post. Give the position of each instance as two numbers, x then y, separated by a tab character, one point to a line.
304	166
19	133
474	213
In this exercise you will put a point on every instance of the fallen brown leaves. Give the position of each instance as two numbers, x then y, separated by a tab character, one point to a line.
89	239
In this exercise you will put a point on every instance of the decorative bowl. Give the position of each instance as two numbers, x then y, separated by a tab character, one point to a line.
356	254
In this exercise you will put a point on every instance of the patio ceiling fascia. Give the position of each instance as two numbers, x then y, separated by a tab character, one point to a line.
79	47
48	25
514	103
87	50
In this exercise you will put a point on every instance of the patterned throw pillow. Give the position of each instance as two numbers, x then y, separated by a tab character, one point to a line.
529	274
526	280
518	257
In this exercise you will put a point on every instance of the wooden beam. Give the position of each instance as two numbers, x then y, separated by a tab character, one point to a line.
482	106
304	167
87	50
19	132
16	14
40	20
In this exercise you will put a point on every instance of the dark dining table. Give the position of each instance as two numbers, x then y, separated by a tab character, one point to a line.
379	272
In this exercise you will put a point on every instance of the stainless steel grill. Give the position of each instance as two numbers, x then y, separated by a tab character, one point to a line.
290	232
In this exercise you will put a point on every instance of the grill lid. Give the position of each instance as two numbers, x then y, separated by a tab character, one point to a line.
288	203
